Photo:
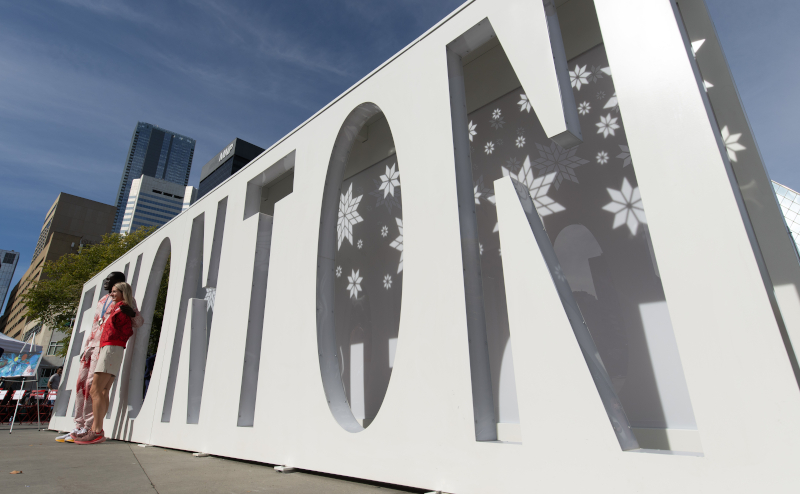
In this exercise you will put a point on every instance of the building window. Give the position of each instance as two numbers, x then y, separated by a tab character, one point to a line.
54	347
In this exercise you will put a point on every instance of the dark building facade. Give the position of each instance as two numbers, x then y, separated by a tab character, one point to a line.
154	152
225	164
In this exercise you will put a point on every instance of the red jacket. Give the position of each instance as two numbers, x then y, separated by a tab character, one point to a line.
117	328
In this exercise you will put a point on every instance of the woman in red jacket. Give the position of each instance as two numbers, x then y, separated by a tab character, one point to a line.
117	329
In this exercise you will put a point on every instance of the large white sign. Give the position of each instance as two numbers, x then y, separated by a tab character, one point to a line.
515	249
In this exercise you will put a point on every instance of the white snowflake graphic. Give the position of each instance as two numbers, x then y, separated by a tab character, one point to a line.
384	231
478	195
602	157
480	248
390	180
348	216
355	284
607	125
524	103
497	114
210	298
489	148
584	108
500	252
387	281
360	243
520	141
559	160
626	204
579	77
398	244
472	131
731	143
338	271
538	187
612	103
624	155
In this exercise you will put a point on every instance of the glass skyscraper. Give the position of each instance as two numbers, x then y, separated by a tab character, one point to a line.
789	201
154	152
8	264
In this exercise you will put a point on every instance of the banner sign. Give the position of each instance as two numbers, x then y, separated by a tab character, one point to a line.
3	393
18	394
19	364
51	395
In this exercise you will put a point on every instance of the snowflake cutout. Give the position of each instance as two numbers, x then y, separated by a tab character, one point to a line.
559	160
348	216
387	281
384	231
579	77
354	285
390	180
398	244
480	248
584	108
624	155
513	165
338	271
383	199
472	131
497	123
537	187
601	95
210	298
731	143
497	114
626	204
360	244
612	103
482	192
524	103
607	125
595	74
602	158
489	148
520	131
520	142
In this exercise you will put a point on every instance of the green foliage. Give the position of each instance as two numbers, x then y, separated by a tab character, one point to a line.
54	299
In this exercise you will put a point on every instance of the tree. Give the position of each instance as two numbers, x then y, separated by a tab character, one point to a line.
55	298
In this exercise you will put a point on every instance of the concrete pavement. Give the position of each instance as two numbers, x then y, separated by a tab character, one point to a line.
120	467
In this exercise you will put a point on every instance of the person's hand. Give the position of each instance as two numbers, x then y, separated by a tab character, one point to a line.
127	310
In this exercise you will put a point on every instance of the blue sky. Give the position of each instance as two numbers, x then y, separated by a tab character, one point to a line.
76	76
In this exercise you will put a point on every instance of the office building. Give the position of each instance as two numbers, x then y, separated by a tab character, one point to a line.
789	201
230	160
8	264
71	223
153	202
154	152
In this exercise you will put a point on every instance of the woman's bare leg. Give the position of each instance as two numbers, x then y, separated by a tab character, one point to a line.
100	390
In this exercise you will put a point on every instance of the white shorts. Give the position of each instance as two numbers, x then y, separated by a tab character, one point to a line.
110	360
